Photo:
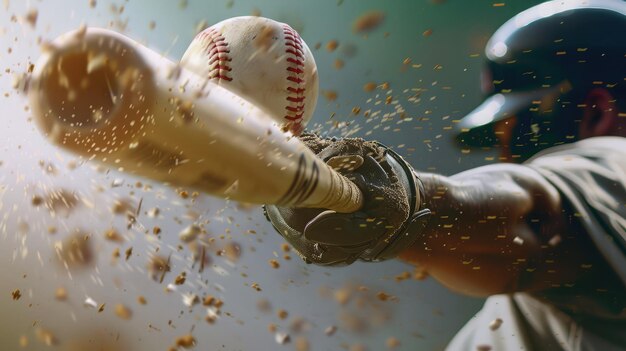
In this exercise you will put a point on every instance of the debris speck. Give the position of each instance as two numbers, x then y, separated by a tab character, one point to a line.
338	64
180	279
332	45
60	294
368	21
190	233
153	212
202	25
113	235
190	299
129	252
495	324
382	296
186	341
274	264
282	314
392	342
330	95
46	337
555	240
330	330
368	87
23	341
89	302
123	312
31	17
282	338
16	294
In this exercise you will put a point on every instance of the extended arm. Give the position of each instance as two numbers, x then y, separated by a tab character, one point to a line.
497	229
493	229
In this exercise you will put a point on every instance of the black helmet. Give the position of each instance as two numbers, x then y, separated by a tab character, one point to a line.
559	48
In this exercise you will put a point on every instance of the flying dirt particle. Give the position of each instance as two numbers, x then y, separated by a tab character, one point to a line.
113	235
76	251
282	314
369	87
186	341
274	264
60	294
123	312
368	21
31	17
330	95
495	324
190	233
332	45
180	279
16	294
392	343
46	337
282	338
266	38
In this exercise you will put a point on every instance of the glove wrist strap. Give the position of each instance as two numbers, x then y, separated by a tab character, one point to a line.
415	224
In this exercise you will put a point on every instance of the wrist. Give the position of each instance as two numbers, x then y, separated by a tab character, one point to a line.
434	196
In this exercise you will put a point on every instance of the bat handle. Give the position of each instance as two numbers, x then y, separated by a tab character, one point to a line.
342	195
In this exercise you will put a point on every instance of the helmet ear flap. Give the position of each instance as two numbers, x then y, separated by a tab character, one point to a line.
600	114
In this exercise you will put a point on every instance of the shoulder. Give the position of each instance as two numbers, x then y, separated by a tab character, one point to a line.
583	153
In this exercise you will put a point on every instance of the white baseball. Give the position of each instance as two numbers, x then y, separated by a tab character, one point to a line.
262	60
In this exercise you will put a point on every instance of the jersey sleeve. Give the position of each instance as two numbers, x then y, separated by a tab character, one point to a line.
591	176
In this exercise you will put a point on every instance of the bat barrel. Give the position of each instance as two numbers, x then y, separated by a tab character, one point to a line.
88	91
108	98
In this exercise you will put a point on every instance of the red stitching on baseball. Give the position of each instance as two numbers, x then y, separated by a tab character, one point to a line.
295	62
294	118
295	98
293	45
295	79
295	70
295	67
294	109
218	54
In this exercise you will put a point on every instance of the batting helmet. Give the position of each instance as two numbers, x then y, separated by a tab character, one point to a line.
558	48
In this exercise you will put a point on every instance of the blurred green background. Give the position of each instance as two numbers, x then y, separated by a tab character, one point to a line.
429	52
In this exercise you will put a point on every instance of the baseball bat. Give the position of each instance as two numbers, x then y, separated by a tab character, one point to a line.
110	99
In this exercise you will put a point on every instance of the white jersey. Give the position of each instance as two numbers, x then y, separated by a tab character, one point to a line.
591	177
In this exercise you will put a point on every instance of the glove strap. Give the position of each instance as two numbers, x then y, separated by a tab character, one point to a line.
414	226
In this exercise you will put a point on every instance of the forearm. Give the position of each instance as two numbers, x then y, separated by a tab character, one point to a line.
489	230
482	207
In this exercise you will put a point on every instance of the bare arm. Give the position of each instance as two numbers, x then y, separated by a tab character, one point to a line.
497	229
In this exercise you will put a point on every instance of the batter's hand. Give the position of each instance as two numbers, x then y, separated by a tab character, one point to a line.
389	221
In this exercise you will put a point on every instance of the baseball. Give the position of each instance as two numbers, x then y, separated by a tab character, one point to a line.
262	60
